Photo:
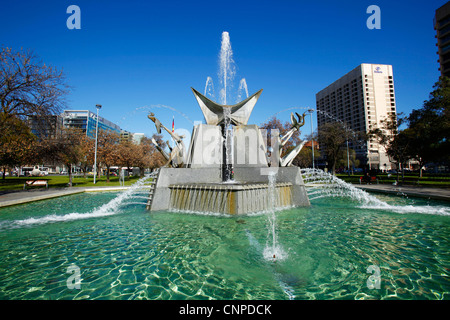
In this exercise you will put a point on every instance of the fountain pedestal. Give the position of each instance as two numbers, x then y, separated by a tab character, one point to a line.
202	190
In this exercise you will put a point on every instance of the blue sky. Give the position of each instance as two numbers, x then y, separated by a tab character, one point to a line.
133	56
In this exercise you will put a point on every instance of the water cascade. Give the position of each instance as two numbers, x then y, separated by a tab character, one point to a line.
322	184
110	208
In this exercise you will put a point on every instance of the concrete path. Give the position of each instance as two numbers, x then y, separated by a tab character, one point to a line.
423	192
20	197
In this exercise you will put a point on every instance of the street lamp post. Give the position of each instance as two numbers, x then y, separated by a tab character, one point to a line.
98	106
312	137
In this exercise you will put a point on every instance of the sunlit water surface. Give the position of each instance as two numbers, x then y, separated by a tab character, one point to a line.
129	253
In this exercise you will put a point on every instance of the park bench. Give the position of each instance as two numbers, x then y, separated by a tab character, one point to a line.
372	180
35	183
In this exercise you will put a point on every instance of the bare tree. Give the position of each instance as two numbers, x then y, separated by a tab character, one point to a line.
29	87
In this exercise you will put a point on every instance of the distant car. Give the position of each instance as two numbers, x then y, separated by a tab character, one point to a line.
63	172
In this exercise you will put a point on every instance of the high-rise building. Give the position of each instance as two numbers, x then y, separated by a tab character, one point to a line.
87	121
360	99
45	127
441	23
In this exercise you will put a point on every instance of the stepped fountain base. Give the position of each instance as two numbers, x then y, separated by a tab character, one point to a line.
202	190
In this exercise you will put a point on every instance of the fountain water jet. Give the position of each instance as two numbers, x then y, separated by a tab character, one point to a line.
226	64
209	88
242	87
273	250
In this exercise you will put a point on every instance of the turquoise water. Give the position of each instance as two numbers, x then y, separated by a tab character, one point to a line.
124	252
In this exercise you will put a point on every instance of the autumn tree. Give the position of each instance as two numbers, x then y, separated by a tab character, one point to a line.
107	149
17	143
87	146
129	154
64	148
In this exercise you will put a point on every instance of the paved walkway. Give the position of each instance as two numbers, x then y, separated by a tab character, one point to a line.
24	196
423	192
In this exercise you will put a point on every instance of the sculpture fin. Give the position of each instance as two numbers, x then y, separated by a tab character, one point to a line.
213	112
289	158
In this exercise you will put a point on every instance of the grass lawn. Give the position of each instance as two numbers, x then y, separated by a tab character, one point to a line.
16	183
439	181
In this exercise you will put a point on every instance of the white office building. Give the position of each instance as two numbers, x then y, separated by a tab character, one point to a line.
361	99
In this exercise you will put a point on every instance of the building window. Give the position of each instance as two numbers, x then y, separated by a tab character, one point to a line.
446	48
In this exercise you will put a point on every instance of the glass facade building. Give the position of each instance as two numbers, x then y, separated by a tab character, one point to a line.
87	121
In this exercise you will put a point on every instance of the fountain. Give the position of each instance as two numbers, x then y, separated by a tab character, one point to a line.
227	168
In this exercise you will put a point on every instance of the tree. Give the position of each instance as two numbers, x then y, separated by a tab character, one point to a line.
107	149
430	126
65	148
28	87
332	136
304	158
344	161
396	143
128	154
16	143
88	151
